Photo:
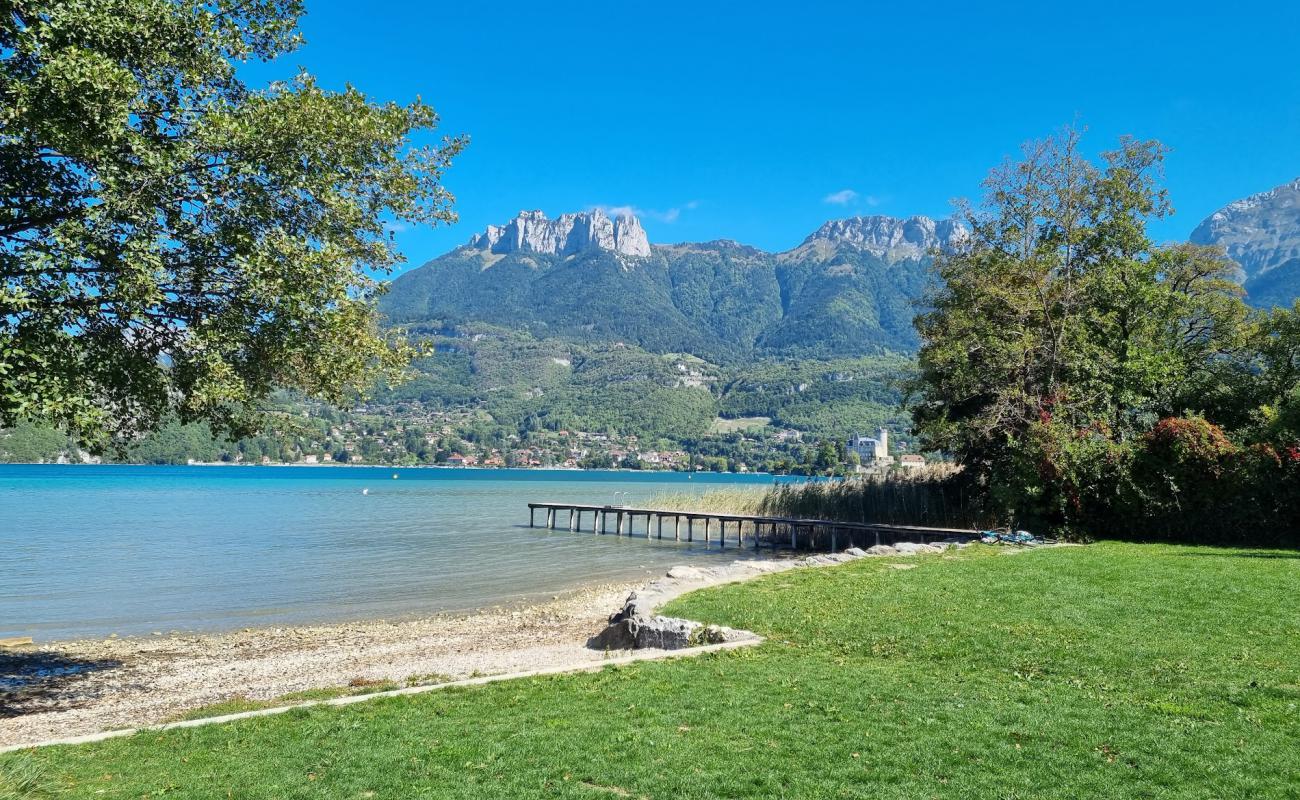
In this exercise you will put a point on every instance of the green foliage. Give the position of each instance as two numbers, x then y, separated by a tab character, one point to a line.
1082	375
1057	672
177	443
174	242
30	443
834	399
723	301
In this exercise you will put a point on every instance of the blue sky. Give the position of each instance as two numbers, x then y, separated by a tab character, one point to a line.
759	121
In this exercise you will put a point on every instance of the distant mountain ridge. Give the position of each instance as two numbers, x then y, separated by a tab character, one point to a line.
890	237
849	289
532	232
1262	234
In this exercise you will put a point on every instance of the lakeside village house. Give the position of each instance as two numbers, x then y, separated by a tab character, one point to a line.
873	453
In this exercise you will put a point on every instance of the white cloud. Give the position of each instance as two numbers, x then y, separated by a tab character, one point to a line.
619	211
850	197
668	216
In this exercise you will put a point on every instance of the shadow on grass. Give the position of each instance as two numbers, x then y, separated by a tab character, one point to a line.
42	680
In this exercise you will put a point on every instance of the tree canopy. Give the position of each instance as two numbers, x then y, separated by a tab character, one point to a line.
174	242
1069	361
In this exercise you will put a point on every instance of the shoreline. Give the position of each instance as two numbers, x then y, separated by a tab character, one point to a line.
85	686
278	464
89	686
93	686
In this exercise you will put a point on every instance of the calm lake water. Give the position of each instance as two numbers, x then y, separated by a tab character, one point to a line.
86	551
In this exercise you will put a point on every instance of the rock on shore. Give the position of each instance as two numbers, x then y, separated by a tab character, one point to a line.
636	625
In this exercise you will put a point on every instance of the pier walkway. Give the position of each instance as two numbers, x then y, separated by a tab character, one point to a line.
758	531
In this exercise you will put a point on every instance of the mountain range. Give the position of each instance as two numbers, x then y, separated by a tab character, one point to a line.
580	322
849	289
1262	234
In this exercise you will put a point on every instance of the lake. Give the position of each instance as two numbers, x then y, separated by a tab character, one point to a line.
88	550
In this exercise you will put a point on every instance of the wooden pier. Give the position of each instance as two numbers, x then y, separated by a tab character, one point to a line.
756	531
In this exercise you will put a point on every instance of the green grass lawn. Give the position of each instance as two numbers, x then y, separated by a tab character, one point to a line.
1115	671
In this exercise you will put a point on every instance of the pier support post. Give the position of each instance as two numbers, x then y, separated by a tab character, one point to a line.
722	534
677	527
550	518
619	521
574	516
833	539
794	537
532	517
690	528
758	535
659	519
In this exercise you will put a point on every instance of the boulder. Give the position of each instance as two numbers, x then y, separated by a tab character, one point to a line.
639	632
684	573
855	552
911	548
881	550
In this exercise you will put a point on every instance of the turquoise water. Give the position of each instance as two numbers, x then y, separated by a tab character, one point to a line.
86	551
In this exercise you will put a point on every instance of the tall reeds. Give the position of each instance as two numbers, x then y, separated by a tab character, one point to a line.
928	497
721	501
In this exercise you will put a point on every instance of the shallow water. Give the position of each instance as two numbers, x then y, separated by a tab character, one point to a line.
86	551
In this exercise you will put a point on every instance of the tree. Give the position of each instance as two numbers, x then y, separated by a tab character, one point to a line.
1058	326
827	457
175	242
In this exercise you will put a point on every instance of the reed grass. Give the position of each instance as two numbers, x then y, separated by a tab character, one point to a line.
719	501
930	498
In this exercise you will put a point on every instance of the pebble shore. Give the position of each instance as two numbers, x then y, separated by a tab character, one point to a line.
108	684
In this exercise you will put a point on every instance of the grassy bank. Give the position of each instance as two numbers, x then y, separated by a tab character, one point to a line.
1108	671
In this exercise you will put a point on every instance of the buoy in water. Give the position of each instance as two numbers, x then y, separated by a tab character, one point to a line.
394	476
365	491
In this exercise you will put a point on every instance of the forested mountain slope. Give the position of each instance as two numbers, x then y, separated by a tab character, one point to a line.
848	290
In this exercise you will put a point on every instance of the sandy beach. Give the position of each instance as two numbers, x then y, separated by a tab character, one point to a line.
81	687
105	684
76	688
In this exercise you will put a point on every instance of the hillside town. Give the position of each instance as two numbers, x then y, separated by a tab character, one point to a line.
412	435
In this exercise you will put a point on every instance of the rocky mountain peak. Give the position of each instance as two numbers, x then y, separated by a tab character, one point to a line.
568	234
1260	232
890	237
